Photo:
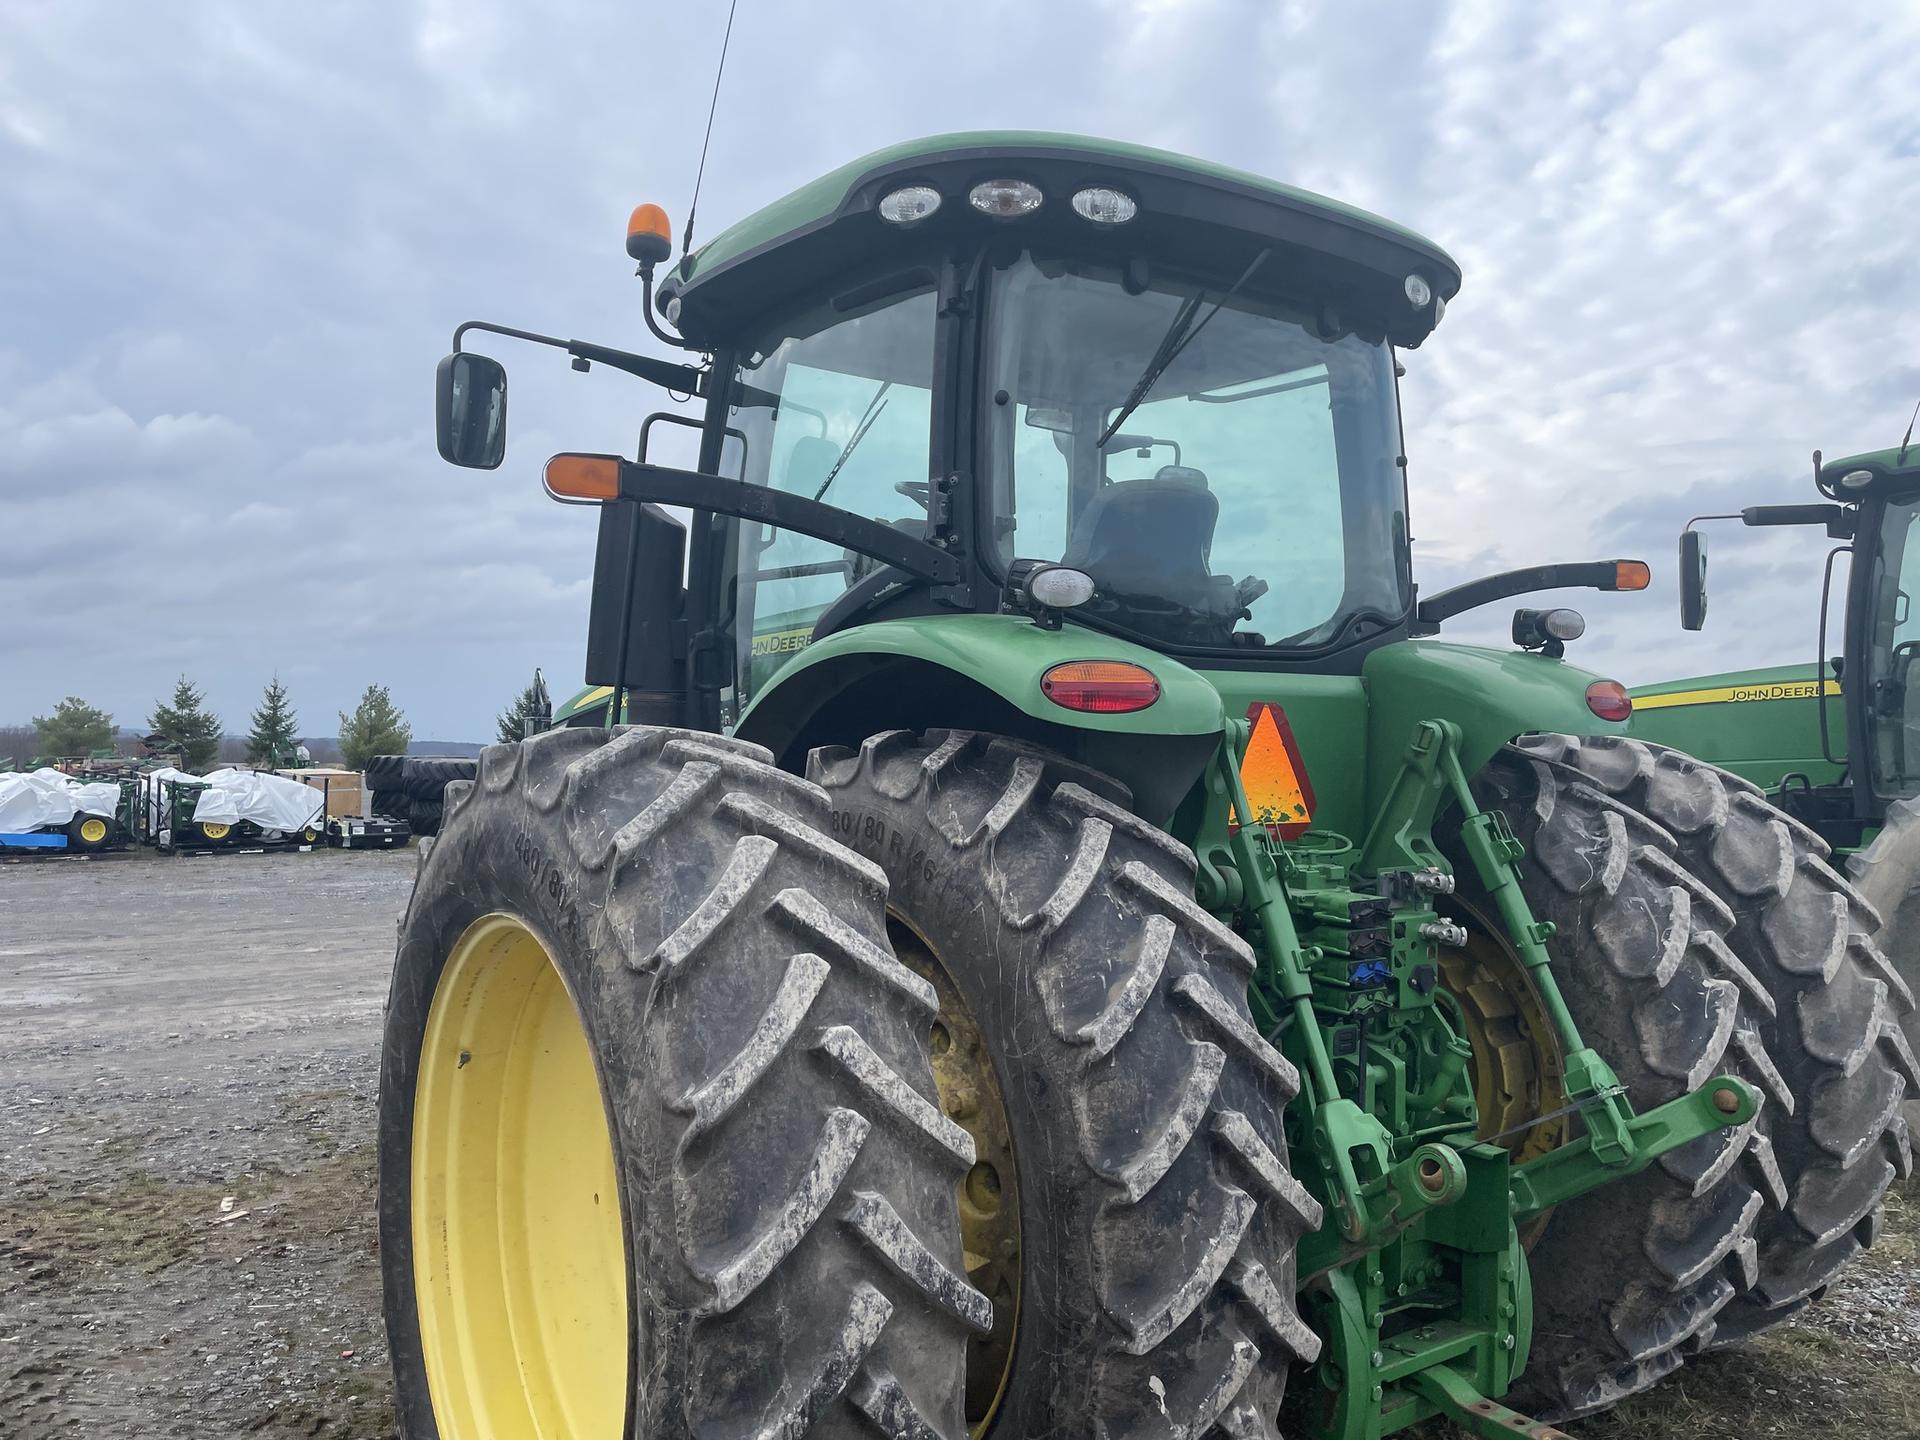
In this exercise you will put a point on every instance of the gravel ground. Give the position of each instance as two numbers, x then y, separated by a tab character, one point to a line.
186	1124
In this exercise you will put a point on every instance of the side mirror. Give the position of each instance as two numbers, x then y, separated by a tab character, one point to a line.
470	410
1693	580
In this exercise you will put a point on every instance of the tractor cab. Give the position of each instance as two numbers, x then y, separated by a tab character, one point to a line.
1031	367
1026	354
1022	376
1871	739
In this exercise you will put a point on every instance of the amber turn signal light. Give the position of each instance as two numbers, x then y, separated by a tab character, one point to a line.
1609	700
649	235
583	477
1631	575
1100	687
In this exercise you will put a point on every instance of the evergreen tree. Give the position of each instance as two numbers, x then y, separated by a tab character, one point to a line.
273	738
189	726
531	704
74	728
376	727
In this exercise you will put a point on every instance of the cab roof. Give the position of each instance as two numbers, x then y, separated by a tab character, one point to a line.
1899	465
1187	207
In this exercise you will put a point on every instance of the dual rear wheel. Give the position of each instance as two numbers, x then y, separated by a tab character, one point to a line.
920	1099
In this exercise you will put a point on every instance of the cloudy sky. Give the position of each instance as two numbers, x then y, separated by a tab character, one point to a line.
234	240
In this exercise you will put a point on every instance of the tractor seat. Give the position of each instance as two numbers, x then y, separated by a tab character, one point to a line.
1150	537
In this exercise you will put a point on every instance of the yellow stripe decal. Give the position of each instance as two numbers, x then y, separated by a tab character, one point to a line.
1735	694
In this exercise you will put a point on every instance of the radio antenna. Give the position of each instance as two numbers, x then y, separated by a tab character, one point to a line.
1907	439
686	240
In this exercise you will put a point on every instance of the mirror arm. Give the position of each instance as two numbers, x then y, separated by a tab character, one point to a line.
1587	574
1837	519
679	379
664	485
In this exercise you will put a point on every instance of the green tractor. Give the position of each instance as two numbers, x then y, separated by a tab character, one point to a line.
1848	772
1058	946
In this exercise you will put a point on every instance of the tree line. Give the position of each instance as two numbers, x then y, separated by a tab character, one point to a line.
184	725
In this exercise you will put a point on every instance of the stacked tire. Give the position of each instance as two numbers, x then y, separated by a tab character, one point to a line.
411	788
387	784
427	778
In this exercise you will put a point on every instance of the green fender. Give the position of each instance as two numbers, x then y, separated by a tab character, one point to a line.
982	672
1492	695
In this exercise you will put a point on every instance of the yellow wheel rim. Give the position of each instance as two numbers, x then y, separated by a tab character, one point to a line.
214	830
519	1255
969	1090
1517	1069
93	830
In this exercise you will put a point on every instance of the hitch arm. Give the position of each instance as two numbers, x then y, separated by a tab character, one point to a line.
1574	1169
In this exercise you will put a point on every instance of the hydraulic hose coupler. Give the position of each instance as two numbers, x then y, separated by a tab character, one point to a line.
1444	932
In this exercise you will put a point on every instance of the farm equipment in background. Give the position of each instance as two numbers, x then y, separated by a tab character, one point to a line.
49	812
1850	772
227	810
1065	948
347	821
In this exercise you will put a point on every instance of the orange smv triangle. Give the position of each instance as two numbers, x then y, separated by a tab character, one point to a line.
1273	774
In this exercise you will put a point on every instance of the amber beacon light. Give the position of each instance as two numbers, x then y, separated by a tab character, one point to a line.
649	235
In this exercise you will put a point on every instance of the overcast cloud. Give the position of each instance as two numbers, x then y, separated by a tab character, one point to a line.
234	240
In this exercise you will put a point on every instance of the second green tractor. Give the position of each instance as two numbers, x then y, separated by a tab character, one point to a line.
1029	932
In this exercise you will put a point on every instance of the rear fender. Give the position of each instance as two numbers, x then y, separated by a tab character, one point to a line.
1492	695
982	672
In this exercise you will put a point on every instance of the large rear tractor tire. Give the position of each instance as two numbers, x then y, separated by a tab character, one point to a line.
1132	1216
1833	1029
658	1152
1630	1277
1887	875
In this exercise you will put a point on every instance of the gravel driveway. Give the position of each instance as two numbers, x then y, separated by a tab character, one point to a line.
187	1247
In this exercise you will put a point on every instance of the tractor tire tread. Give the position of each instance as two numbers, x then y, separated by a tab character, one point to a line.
1630	1279
1835	1033
1170	1137
804	1274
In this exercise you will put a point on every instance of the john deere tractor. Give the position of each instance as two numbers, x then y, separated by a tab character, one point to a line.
1834	743
1037	937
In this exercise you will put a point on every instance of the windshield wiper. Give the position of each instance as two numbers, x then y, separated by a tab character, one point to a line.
1179	334
874	407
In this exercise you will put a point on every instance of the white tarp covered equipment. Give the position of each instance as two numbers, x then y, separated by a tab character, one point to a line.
272	802
46	798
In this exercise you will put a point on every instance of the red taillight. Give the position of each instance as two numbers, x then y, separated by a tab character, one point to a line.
1609	700
1100	687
